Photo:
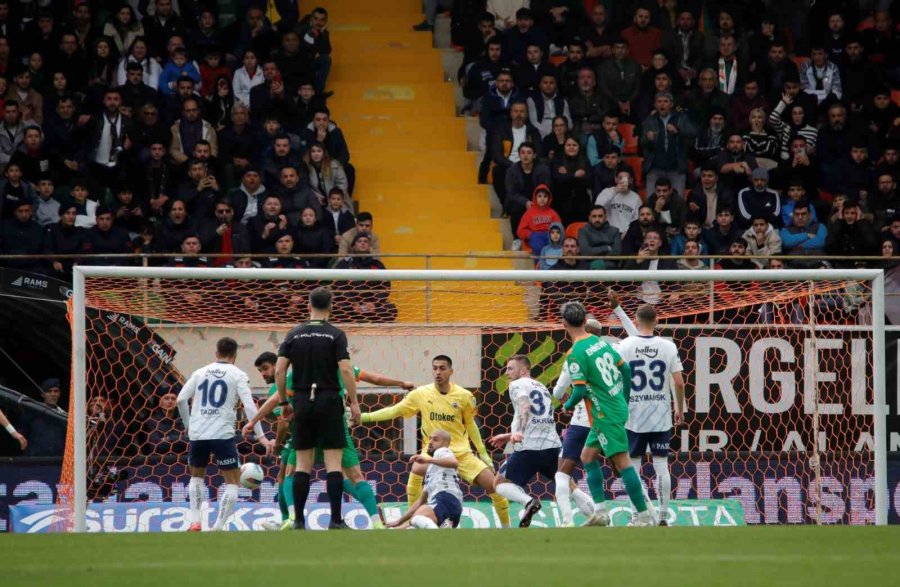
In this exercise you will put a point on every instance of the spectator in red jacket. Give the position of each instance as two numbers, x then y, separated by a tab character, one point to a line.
534	227
642	38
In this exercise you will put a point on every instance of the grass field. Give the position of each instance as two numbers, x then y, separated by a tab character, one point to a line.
794	556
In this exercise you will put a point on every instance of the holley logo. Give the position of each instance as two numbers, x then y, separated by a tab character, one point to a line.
647	351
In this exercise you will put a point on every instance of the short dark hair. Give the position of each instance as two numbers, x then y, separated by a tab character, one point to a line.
521	359
322	110
226	347
574	313
646	313
444	358
363	216
663	181
598	207
266	357
320	298
527	144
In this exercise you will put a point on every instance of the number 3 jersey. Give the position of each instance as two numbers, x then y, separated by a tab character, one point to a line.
539	427
214	392
653	360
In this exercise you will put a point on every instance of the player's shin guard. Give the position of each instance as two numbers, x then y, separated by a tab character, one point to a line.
196	489
563	497
226	506
513	492
334	484
413	488
301	493
366	496
423	523
633	486
288	484
501	506
596	482
664	480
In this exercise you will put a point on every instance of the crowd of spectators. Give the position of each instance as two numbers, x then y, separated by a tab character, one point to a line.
149	127
687	127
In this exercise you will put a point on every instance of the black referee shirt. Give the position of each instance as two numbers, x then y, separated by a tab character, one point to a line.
314	349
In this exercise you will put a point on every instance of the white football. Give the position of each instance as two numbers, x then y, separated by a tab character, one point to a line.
252	475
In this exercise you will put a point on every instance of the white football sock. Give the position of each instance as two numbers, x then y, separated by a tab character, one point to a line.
513	492
563	497
637	462
584	502
664	484
226	506
196	489
423	523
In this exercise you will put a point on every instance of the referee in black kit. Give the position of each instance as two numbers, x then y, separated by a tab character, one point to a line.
318	352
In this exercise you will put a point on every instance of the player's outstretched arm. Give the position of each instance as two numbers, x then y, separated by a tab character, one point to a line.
626	322
264	410
407	407
410	512
563	384
385	381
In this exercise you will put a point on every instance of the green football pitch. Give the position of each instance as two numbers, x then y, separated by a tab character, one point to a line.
792	556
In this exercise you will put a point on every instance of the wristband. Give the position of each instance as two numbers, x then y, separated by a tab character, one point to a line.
285	403
11	429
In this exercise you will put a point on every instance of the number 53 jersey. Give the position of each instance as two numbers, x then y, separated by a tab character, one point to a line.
653	360
214	391
540	425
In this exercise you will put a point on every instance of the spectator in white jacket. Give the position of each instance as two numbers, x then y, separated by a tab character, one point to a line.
246	78
504	11
140	53
621	202
762	239
821	78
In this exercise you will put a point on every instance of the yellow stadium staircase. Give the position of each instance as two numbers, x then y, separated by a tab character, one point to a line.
414	173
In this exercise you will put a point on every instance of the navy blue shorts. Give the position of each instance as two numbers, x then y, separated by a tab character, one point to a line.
446	507
523	466
657	441
573	442
224	450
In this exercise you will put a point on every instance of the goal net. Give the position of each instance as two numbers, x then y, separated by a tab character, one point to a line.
781	393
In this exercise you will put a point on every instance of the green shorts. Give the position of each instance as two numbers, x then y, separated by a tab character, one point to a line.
349	456
288	457
610	438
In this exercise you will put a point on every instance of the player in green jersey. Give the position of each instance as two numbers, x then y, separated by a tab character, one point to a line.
603	380
287	457
355	483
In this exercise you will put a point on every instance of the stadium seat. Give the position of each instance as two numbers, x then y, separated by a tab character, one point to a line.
631	141
637	167
895	97
572	229
799	61
557	60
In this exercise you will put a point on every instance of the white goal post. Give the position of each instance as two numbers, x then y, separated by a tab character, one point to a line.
875	279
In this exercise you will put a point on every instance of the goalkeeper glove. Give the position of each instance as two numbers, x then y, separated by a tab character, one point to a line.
486	459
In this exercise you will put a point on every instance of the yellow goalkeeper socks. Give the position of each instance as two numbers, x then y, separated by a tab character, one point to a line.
413	488
501	506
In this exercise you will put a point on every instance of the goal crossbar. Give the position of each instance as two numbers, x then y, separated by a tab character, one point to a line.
79	346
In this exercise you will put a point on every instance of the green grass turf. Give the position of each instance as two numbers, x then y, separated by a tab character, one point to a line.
792	556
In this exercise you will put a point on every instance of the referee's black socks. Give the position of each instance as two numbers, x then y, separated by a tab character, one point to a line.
301	493
334	484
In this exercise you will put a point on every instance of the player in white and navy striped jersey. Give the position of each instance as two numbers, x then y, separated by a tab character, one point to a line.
534	439
213	392
575	436
440	504
656	372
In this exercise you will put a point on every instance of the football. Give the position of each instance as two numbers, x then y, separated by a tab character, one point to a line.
252	475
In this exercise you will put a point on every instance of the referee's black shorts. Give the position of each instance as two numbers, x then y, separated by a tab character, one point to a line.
319	423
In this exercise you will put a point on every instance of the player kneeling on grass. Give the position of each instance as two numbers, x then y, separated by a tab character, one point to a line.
213	392
600	375
534	438
440	504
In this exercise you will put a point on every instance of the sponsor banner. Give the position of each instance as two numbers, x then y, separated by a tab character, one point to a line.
167	517
770	492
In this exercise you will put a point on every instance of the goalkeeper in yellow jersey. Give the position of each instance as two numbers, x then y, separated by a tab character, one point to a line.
446	406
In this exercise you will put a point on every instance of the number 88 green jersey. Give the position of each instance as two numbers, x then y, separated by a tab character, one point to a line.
594	363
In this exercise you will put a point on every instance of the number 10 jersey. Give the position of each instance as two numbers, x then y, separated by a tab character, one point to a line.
214	391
